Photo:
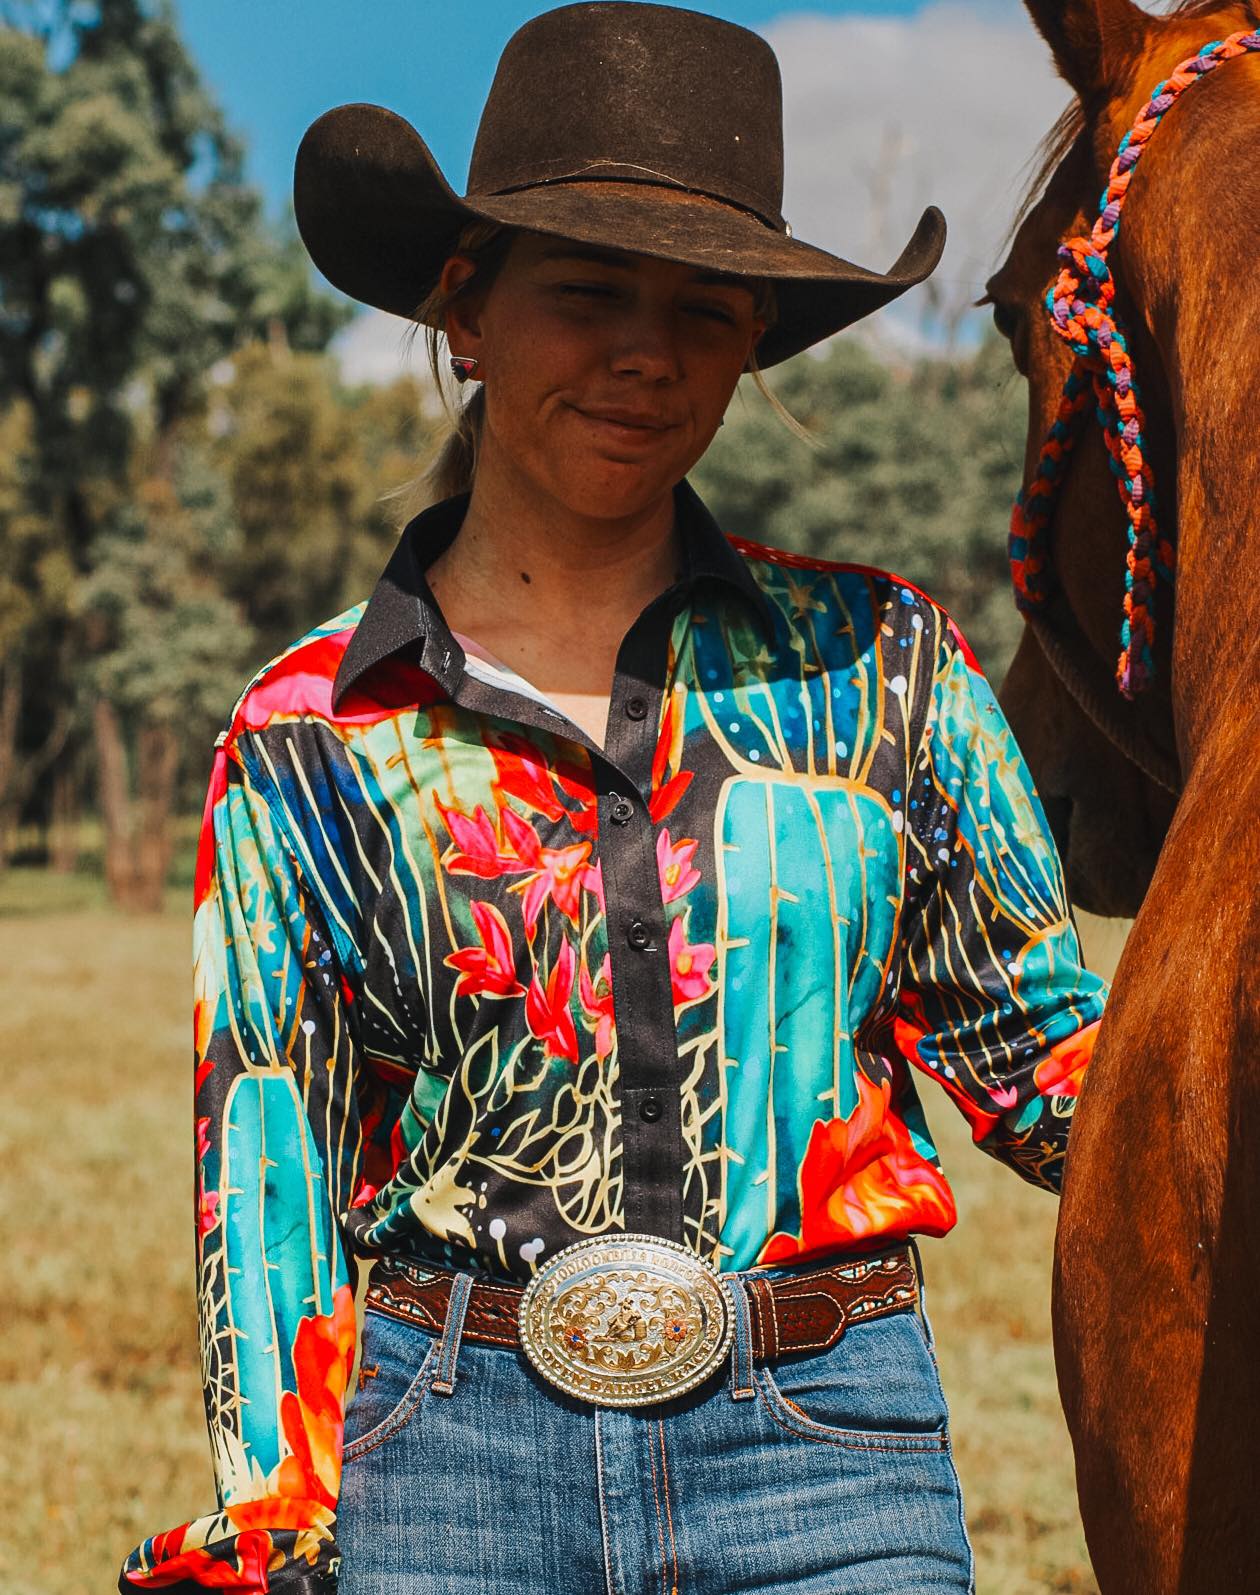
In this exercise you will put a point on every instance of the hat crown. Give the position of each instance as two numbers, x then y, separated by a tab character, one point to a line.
635	92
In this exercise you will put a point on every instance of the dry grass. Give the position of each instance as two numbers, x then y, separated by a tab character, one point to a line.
102	1437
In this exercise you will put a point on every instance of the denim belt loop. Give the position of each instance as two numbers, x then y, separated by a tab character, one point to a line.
742	1386
452	1334
922	1302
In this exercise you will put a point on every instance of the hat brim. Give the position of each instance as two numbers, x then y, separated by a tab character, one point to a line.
379	219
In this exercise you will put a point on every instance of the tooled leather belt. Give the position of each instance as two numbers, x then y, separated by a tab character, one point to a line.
807	1310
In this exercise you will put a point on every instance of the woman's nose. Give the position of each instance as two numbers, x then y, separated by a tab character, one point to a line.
648	347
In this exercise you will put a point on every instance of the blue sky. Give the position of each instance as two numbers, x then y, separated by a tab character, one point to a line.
275	65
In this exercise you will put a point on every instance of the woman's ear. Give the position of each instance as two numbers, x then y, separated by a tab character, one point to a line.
462	316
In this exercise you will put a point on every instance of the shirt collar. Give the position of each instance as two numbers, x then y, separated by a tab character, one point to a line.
403	613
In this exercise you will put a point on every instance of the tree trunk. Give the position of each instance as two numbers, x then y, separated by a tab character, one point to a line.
137	833
114	795
63	828
10	714
157	772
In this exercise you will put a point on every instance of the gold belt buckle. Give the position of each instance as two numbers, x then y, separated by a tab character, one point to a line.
626	1320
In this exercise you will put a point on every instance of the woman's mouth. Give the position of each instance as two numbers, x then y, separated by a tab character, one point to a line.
625	425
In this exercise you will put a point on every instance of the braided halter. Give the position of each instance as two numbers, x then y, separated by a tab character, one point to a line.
1080	310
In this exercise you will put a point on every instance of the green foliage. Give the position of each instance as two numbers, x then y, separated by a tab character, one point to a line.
911	470
134	259
168	645
305	464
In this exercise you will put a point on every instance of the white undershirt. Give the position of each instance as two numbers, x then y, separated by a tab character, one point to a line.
484	666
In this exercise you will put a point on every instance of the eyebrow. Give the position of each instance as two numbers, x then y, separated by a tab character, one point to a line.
622	261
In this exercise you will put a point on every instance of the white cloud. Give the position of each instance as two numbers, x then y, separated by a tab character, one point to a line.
375	348
884	115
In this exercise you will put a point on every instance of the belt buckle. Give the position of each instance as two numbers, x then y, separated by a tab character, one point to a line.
626	1320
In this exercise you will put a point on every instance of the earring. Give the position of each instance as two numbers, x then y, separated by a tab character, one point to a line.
463	367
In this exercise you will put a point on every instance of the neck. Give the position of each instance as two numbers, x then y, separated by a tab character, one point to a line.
527	556
1195	280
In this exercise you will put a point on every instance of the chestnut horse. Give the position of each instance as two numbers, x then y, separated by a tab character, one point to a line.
1157	1268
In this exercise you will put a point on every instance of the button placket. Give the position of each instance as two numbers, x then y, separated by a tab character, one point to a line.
647	1045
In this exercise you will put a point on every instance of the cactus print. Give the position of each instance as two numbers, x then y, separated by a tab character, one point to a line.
470	988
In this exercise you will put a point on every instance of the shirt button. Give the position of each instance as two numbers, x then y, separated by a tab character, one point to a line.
636	708
650	1109
622	810
638	935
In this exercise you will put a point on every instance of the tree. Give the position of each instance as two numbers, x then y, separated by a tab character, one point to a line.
133	258
305	462
911	470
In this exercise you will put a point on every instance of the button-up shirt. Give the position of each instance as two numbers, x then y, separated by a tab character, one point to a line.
470	987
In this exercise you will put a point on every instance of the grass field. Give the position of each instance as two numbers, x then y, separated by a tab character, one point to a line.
101	1432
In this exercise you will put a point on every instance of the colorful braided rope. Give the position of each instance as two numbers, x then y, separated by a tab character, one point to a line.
1080	310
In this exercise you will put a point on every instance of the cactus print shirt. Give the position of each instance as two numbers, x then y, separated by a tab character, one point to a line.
470	988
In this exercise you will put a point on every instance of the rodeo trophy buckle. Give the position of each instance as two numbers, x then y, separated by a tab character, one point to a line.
626	1320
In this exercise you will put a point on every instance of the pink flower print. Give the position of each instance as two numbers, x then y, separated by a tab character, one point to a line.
207	1201
547	1011
559	872
490	968
689	965
598	1005
673	862
593	880
475	848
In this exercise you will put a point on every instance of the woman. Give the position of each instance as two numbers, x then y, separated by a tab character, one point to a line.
569	914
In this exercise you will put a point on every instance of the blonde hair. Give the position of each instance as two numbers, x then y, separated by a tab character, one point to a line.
454	466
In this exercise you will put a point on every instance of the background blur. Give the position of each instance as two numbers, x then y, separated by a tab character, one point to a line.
196	439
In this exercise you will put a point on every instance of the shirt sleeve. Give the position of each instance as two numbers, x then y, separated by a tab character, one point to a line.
277	1157
995	1002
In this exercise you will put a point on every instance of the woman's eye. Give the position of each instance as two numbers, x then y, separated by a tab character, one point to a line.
715	313
594	290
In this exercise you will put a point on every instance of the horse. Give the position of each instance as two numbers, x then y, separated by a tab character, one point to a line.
1154	802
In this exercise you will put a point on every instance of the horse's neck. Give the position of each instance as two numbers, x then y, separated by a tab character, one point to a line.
1191	239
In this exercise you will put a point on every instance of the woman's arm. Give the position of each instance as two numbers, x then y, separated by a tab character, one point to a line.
278	1145
995	1002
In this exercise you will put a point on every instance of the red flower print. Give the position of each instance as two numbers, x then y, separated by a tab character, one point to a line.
248	1572
861	1177
559	871
547	1012
490	968
302	1490
598	1006
665	792
689	965
673	862
1059	1073
522	773
476	848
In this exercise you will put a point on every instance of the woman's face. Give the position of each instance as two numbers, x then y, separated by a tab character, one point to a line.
606	374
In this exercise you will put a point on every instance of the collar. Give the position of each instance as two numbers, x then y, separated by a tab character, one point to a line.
402	612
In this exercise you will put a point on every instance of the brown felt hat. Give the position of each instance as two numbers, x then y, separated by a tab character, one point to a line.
637	127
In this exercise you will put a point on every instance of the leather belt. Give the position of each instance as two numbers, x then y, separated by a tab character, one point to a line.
807	1310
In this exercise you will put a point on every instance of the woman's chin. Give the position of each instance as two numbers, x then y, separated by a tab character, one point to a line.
616	490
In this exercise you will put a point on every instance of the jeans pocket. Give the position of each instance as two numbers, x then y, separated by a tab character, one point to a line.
395	1366
876	1389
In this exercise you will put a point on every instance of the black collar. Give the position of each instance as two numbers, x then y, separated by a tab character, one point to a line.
403	613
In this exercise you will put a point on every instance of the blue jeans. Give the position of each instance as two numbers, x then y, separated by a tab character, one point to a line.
834	1475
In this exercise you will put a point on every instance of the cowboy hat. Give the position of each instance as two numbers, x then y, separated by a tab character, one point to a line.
629	126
